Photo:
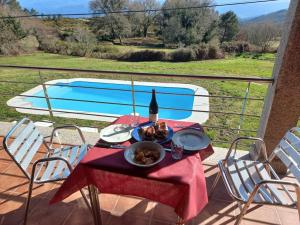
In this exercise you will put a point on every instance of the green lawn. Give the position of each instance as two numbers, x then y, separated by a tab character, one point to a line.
237	66
232	66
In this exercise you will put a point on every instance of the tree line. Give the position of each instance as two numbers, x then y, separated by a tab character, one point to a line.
175	24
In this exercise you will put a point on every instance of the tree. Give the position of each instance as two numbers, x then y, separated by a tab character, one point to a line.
31	11
11	33
186	26
228	26
141	21
114	24
262	34
13	4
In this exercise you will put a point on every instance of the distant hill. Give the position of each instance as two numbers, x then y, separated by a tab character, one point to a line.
275	17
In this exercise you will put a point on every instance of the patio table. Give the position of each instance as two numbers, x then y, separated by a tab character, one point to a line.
179	184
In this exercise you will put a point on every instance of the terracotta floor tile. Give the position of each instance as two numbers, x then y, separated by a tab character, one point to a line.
128	220
217	212
12	178
162	222
4	157
261	215
288	216
13	209
164	213
4	166
45	214
79	212
133	205
108	202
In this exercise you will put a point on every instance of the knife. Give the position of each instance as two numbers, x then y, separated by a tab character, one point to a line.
106	145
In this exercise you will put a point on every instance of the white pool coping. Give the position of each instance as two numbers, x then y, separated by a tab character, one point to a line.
200	102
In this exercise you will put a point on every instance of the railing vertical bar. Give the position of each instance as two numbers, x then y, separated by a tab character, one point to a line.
46	95
244	107
133	97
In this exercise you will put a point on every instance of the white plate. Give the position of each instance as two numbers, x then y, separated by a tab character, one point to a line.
116	133
191	139
129	152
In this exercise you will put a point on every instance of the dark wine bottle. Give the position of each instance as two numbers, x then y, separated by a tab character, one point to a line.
153	108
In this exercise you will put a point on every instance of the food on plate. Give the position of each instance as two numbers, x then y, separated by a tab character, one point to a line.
146	155
158	131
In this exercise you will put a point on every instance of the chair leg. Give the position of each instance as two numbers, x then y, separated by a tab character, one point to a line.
86	200
179	221
28	201
214	185
244	210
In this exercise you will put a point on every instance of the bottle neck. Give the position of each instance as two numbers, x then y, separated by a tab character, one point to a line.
153	95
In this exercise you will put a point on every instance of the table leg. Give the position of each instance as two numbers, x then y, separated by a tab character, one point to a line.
179	221
93	192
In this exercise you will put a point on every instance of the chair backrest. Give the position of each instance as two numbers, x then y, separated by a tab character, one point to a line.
288	150
22	143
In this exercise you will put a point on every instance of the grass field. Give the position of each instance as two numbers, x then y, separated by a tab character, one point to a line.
232	66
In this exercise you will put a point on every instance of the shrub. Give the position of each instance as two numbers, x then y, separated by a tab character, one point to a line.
29	43
63	48
48	45
182	55
201	51
147	55
235	47
214	53
105	49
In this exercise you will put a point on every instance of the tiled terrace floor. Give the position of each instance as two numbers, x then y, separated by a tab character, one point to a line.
118	210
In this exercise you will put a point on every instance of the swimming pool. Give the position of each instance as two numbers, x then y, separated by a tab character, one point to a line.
97	90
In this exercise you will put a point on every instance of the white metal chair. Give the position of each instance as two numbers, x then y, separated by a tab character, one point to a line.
256	181
55	165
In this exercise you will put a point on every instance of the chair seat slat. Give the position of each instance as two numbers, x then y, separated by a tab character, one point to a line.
293	139
50	167
246	180
290	150
250	166
21	137
35	147
289	163
73	155
57	174
239	187
261	170
82	152
27	145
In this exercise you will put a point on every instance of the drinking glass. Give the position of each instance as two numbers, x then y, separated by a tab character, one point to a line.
134	120
176	151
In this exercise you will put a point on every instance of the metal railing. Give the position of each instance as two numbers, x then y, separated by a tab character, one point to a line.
52	111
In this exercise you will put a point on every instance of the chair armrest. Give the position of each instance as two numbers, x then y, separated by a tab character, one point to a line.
282	182
66	127
237	140
49	159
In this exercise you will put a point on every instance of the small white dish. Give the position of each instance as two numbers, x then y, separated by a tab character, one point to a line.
191	139
129	152
116	133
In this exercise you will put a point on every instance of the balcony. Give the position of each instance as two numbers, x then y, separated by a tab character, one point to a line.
123	209
231	114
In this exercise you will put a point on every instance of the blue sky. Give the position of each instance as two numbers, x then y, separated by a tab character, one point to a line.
81	6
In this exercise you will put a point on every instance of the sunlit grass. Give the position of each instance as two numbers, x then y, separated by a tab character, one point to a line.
231	66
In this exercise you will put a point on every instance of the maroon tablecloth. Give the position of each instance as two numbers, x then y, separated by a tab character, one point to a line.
179	184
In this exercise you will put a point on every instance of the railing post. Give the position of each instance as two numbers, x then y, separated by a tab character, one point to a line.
133	97
244	107
46	95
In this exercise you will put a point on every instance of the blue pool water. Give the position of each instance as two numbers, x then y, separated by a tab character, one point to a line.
117	96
